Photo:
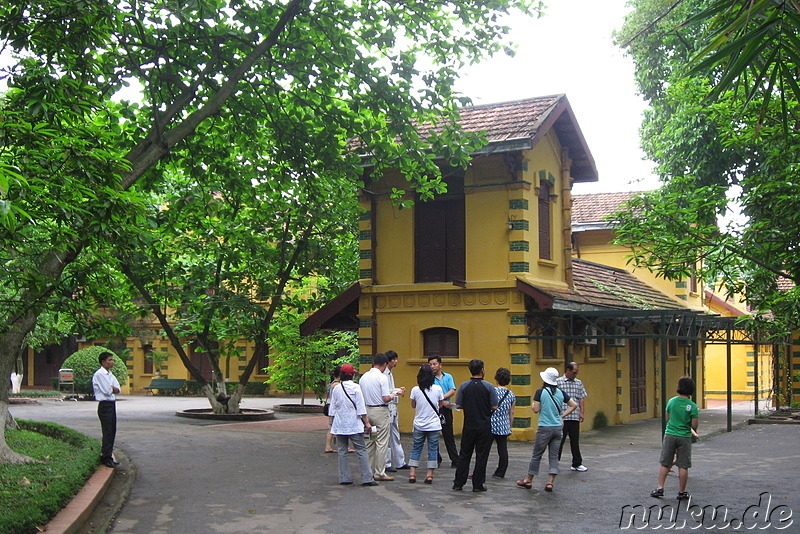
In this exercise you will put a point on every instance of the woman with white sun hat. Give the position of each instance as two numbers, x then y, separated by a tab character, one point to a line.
547	403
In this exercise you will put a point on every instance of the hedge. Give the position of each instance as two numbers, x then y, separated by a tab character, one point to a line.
31	494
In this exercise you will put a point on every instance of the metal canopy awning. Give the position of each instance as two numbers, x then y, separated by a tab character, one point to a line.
686	325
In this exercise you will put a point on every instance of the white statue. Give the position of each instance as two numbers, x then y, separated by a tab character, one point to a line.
16	382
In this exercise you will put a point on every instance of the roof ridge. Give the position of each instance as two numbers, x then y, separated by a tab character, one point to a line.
557	96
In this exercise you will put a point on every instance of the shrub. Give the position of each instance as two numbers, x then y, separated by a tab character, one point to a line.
35	393
84	363
68	458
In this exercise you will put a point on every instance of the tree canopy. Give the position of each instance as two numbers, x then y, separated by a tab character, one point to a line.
281	87
728	164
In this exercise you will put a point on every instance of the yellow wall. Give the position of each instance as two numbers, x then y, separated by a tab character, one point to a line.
744	359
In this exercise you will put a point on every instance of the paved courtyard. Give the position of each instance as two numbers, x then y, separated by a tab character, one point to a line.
197	477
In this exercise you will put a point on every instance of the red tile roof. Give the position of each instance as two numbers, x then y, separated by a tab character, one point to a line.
522	124
508	120
603	287
618	288
594	208
785	284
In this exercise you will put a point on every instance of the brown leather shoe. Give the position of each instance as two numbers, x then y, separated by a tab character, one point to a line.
385	478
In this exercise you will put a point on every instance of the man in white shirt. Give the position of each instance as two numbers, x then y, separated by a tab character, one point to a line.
105	387
395	457
375	389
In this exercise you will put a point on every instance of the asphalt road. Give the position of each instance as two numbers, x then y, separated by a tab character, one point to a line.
200	477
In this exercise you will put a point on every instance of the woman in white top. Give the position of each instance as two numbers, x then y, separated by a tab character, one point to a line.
426	399
349	423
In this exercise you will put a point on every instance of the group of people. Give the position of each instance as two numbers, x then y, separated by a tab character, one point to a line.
369	409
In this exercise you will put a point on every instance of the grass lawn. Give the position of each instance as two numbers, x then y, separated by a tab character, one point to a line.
31	494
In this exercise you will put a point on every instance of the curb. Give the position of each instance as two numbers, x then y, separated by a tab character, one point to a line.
73	518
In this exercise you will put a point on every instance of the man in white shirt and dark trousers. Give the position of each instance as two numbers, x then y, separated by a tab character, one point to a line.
375	389
395	457
105	387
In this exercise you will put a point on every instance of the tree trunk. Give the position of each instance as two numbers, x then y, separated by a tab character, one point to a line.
222	403
7	456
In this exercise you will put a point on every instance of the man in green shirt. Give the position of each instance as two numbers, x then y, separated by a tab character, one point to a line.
676	447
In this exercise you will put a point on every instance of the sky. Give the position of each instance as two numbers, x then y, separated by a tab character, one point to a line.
570	50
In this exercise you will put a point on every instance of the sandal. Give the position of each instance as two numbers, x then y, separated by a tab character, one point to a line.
330	450
683	495
523	484
428	480
658	492
412	479
548	488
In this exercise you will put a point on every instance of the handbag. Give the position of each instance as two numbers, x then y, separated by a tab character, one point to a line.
441	416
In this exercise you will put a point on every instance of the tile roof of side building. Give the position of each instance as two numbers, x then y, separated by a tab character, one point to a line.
594	208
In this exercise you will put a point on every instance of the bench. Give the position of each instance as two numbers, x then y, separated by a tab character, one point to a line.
165	384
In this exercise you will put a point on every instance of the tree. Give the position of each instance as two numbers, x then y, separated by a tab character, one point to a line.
76	164
751	47
223	257
725	211
304	363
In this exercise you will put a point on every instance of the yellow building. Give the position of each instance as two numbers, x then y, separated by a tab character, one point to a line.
486	271
593	238
40	366
751	365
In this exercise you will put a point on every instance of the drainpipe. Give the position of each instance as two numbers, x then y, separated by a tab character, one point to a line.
374	264
566	214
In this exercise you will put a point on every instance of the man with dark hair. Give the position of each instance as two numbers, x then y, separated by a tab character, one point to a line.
573	387
375	389
395	457
105	386
448	385
478	399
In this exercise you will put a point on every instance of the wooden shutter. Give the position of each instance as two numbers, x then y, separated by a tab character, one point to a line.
439	241
544	221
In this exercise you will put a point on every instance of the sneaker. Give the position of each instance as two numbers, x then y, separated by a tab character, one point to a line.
658	492
580	468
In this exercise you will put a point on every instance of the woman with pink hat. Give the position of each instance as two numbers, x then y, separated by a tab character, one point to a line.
547	403
350	421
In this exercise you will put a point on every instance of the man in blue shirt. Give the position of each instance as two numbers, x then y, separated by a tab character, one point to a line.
445	381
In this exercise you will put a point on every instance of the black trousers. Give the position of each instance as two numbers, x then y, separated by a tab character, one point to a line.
107	413
573	430
479	442
502	451
447	436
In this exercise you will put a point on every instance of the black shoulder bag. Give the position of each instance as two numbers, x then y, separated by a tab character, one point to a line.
441	416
